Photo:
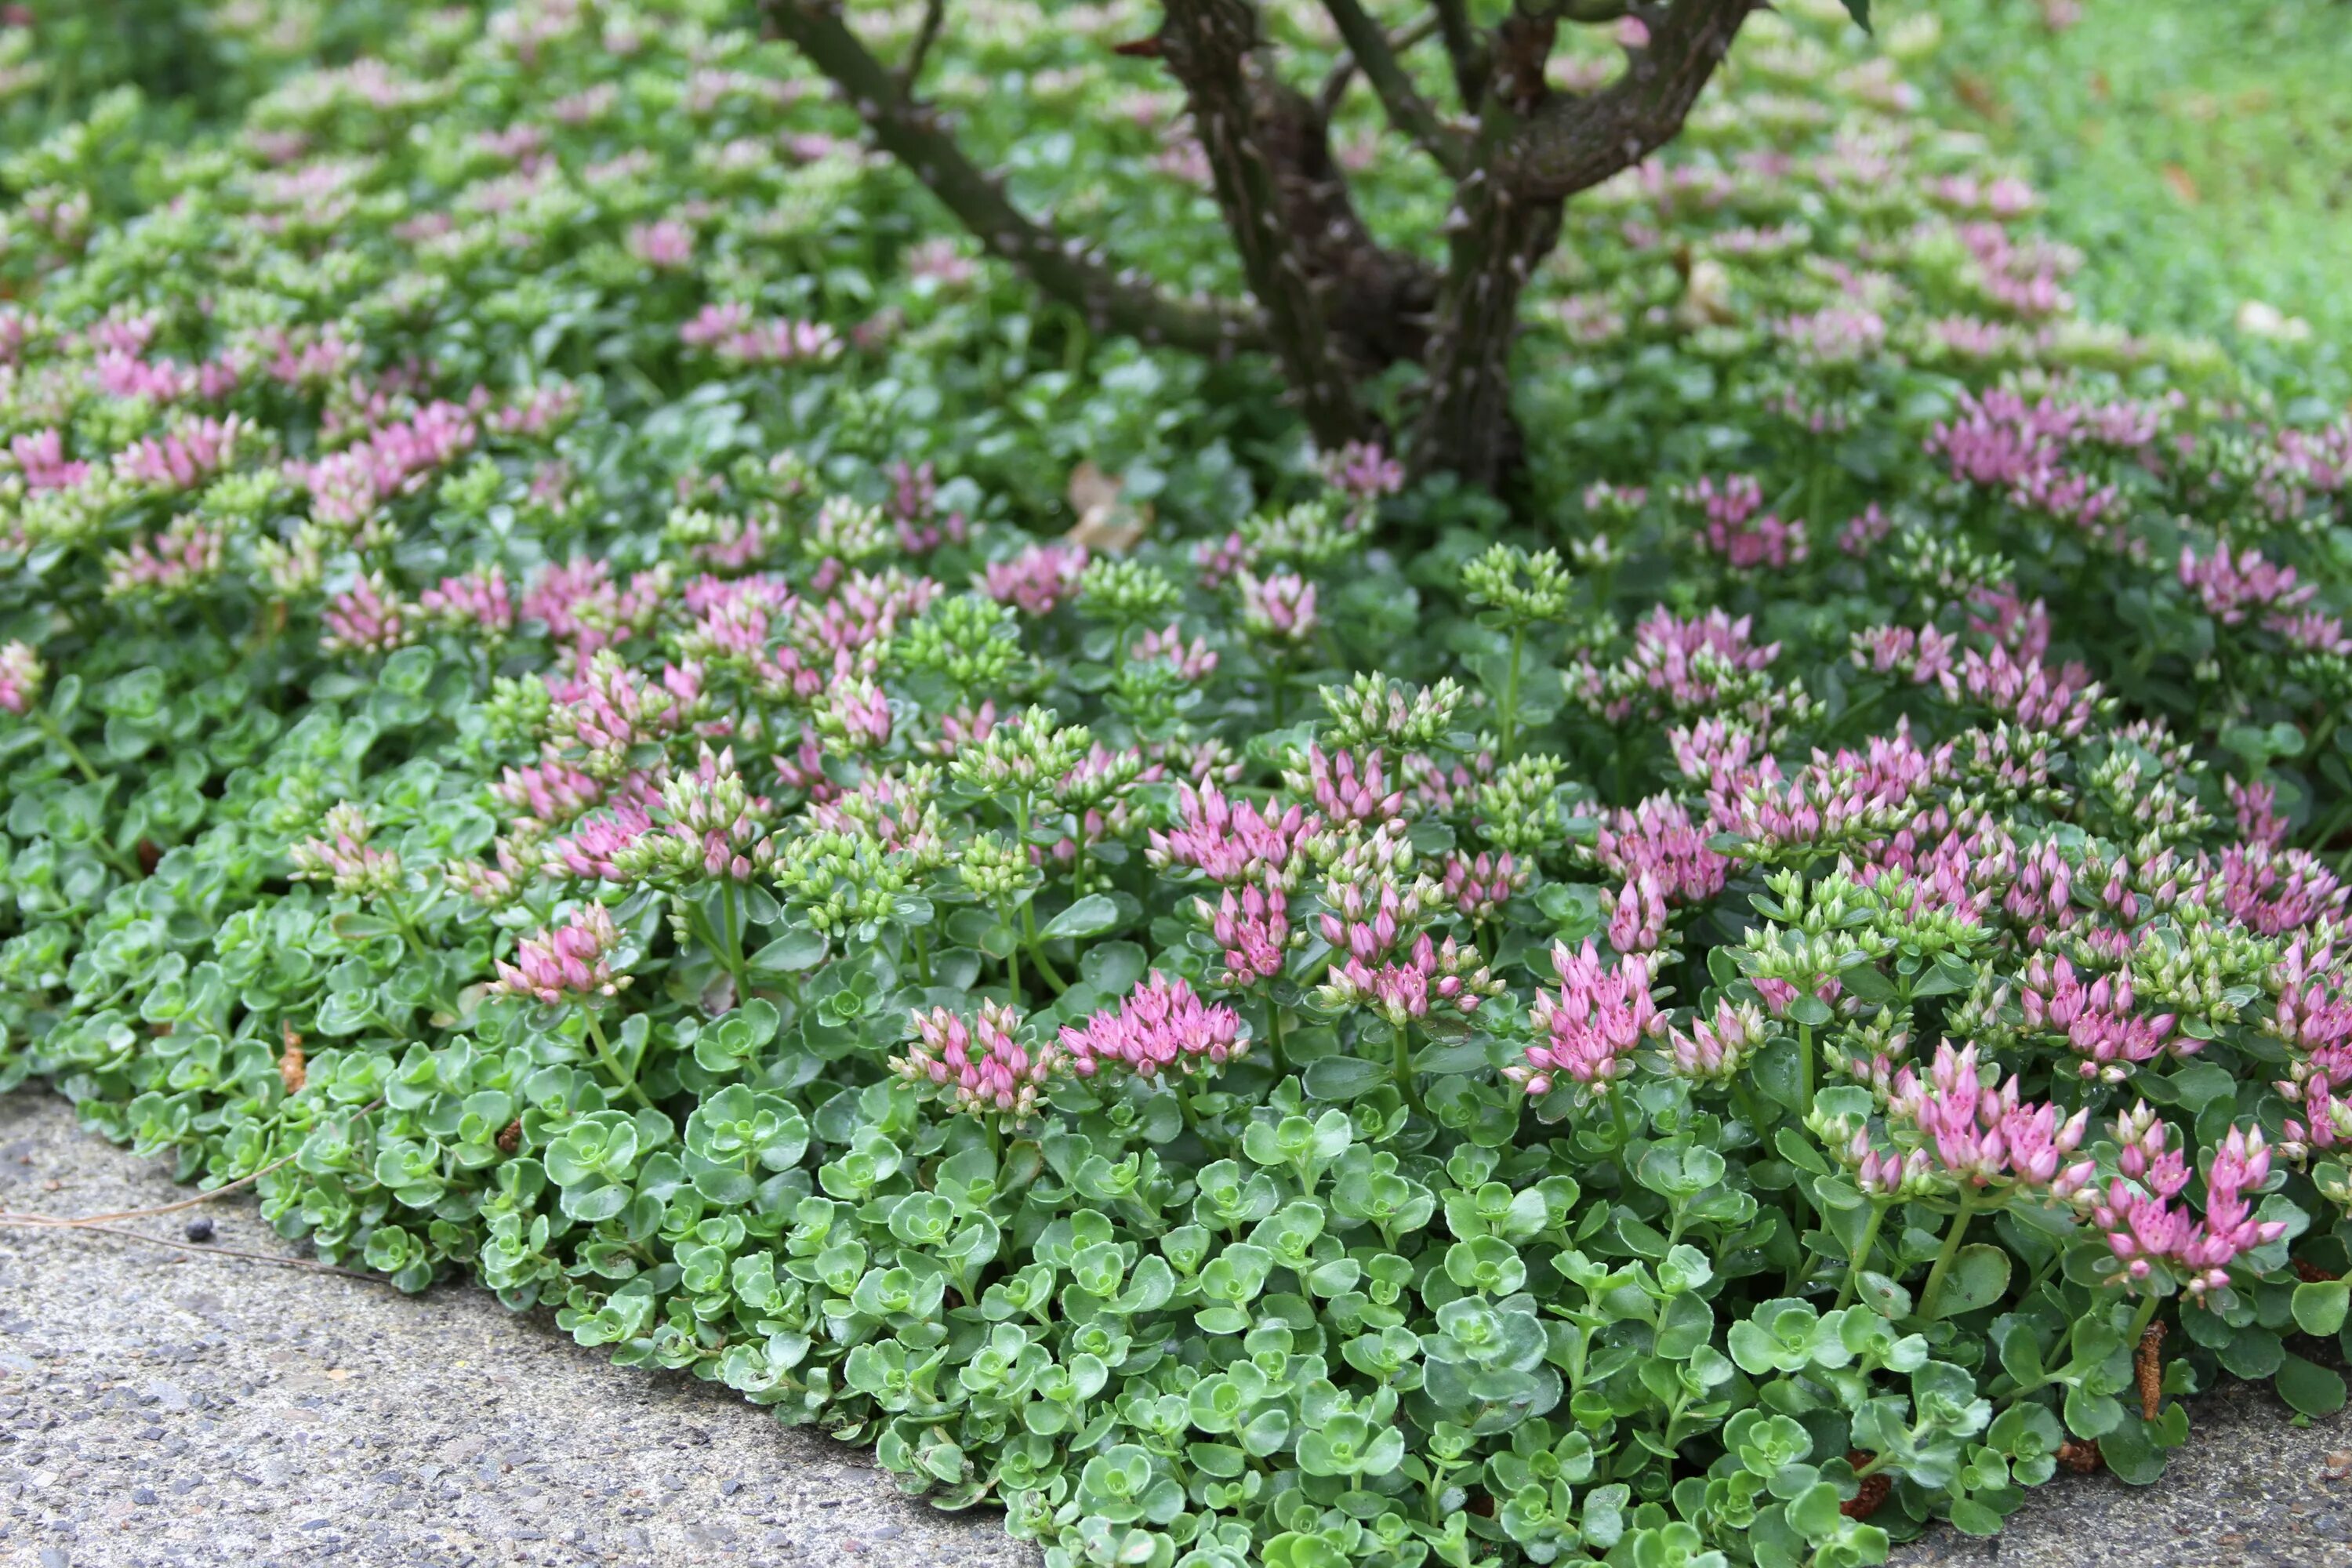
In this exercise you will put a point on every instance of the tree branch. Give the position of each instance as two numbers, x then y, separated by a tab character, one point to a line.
914	135
1247	122
1407	110
1466	48
1569	144
934	13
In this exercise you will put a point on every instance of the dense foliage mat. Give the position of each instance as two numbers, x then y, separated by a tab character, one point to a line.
543	686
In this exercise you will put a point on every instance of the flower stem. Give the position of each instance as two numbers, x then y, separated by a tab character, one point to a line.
1861	1258
627	1077
50	728
1951	1249
2140	1319
1511	695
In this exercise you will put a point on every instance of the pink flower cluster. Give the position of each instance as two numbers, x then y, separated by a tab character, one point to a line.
1982	1137
394	459
21	672
479	602
981	1067
1232	842
183	458
1739	531
184	556
1345	790
732	334
367	617
2097	1019
40	457
1279	606
1430	974
1479	888
2000	442
1678	665
1255	931
1363	473
1590	1029
2233	587
1037	579
1846	796
1161	1026
2144	1229
569	963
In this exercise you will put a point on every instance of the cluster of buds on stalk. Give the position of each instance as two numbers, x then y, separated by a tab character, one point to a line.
1345	790
1514	589
2097	1018
1431	975
22	675
2147	1230
1716	1050
836	881
1161	1026
479	604
715	828
612	711
1373	710
979	1068
1980	1137
568	962
1591	1028
343	856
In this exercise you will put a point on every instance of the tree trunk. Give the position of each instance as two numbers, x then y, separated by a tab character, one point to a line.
1466	426
1497	237
1211	46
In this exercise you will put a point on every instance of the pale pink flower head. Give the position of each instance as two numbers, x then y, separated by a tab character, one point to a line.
1161	1026
980	1067
1037	579
343	856
368	617
1589	1031
21	676
664	246
479	602
1279	607
1363	472
567	963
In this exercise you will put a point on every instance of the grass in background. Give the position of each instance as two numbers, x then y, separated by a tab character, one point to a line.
2200	151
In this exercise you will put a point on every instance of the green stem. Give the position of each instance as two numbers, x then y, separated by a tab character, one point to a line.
627	1077
1013	966
1400	1069
730	950
1804	1068
73	752
2140	1319
1861	1258
1281	1063
1511	695
1951	1249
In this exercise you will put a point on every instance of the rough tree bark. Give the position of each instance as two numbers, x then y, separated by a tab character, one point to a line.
1331	304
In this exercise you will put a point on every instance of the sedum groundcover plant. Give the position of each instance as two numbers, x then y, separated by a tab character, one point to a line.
1782	997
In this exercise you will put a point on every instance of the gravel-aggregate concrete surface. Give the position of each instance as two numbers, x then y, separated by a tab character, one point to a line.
160	1408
